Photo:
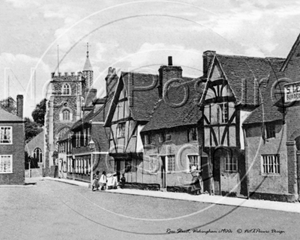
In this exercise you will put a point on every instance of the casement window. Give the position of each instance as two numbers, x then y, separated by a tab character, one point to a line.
5	135
6	165
121	130
192	134
162	137
148	139
270	164
171	163
66	90
222	112
231	164
193	160
270	130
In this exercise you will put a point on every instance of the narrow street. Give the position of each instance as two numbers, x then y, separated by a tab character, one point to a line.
53	210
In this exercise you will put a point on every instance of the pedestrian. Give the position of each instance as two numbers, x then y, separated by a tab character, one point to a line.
103	180
96	178
122	181
196	180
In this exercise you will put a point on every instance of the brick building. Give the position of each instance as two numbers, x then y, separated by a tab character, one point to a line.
171	137
273	134
12	142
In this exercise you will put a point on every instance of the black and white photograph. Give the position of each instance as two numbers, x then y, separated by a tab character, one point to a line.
149	119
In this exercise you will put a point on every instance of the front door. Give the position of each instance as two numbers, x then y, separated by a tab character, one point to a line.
216	171
118	169
163	172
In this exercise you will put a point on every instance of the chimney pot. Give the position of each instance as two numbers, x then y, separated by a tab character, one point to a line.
20	106
170	62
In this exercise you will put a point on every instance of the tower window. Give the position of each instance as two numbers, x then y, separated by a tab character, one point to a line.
66	90
66	115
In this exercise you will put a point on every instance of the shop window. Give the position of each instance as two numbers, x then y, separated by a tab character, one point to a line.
193	161
5	135
270	164
171	163
6	164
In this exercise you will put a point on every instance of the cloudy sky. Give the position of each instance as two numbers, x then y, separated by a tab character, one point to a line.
133	35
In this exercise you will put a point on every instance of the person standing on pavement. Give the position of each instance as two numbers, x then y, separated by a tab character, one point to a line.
103	180
95	185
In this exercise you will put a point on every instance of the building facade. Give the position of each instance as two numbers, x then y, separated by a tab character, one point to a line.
12	143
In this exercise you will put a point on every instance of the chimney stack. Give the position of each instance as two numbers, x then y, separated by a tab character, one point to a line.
170	62
207	58
20	106
166	73
111	80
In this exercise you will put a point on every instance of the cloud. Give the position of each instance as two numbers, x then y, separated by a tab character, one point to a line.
21	79
150	57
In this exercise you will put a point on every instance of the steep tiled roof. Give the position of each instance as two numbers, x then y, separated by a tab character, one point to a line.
96	115
141	97
237	68
166	116
8	117
267	111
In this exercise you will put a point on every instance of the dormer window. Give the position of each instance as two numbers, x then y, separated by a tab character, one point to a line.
66	90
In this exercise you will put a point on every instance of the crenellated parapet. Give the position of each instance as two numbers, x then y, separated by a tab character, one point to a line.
66	76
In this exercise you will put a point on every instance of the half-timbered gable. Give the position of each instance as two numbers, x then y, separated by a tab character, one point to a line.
231	94
132	104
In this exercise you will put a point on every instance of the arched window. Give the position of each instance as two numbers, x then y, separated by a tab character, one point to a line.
66	90
38	154
66	115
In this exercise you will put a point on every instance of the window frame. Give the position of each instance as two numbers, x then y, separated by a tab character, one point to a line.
121	128
11	163
270	130
188	161
10	133
190	132
66	87
230	162
265	167
173	157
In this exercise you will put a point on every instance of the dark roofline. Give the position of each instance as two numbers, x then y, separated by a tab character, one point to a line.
293	49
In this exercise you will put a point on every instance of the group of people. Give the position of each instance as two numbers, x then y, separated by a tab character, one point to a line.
102	181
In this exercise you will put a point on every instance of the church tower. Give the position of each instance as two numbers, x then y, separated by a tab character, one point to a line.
88	70
68	95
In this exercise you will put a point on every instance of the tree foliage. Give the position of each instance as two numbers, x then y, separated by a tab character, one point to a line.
31	129
9	104
39	112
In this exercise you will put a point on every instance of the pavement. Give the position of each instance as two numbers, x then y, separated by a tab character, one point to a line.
204	198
